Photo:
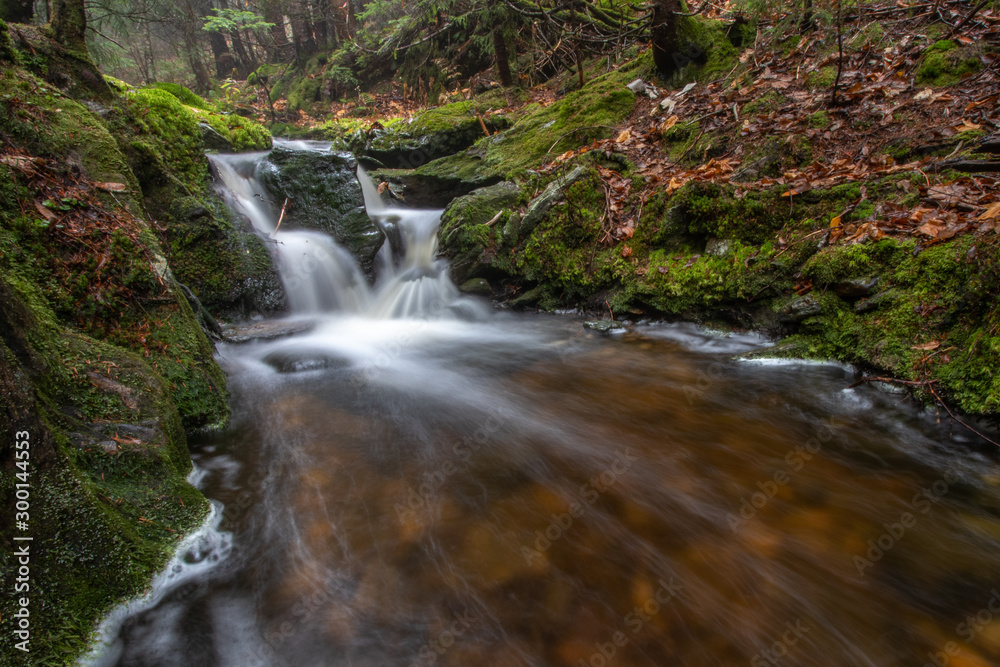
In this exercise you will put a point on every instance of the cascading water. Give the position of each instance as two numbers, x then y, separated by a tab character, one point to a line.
322	277
435	490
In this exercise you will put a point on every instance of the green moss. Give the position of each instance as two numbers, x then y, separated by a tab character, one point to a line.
819	120
822	78
8	53
706	52
184	95
169	130
944	64
303	94
769	101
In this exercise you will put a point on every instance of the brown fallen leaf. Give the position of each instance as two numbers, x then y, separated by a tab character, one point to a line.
111	187
623	136
929	345
45	212
992	212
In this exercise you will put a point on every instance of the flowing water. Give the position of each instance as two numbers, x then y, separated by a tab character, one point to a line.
420	481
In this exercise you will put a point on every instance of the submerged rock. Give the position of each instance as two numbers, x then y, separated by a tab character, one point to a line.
324	194
604	326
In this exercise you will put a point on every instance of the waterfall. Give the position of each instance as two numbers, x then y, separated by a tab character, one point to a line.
320	276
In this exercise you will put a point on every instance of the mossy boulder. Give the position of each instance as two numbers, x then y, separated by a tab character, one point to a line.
102	362
435	133
437	183
324	194
209	249
470	231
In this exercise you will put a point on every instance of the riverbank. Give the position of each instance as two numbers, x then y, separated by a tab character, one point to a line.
855	220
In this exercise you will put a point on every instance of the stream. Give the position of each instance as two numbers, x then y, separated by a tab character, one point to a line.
419	479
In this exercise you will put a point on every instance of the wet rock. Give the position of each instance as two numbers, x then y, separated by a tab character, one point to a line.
880	300
800	309
267	330
434	134
213	140
718	247
604	326
477	286
324	194
529	298
541	204
437	183
855	289
467	219
638	86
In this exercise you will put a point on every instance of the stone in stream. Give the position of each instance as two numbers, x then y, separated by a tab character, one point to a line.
266	330
605	326
324	195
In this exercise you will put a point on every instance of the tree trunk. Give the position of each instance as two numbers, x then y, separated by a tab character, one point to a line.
17	11
302	34
189	26
69	23
663	35
503	58
224	61
273	13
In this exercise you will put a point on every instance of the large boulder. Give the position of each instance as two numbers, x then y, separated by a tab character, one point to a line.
324	194
472	225
434	134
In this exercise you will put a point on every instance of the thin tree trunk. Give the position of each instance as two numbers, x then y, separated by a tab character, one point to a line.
302	34
274	14
188	28
503	58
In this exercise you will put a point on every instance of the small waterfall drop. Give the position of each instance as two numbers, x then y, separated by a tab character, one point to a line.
320	276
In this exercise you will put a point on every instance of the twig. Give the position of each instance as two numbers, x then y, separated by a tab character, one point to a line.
952	414
280	218
961	24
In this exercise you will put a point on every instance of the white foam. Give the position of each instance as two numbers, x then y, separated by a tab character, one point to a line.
197	553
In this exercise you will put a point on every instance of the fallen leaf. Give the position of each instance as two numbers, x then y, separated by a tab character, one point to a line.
992	212
626	251
967	126
111	187
45	212
669	123
835	222
930	345
623	136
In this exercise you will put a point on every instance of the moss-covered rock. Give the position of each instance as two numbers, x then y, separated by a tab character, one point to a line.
102	361
944	63
471	227
432	134
324	194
